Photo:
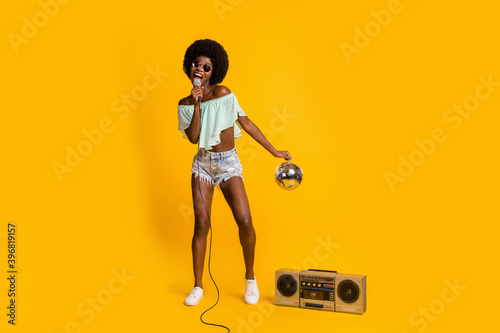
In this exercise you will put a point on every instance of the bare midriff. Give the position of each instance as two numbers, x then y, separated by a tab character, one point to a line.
226	141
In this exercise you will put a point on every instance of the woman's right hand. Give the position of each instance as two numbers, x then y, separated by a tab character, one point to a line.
197	92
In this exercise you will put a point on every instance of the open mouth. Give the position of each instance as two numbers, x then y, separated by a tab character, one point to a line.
197	76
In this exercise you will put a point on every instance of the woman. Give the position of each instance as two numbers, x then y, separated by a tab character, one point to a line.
217	162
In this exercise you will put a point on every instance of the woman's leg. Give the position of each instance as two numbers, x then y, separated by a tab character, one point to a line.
201	225
236	197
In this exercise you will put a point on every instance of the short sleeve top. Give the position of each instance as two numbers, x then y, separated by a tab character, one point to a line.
216	115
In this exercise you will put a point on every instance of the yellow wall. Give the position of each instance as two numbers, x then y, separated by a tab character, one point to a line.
355	91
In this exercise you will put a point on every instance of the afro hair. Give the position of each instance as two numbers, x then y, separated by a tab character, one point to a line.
213	50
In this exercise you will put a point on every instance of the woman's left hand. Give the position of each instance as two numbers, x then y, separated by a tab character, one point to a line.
283	154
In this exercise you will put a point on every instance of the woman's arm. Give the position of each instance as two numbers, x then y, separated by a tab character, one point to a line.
257	135
193	131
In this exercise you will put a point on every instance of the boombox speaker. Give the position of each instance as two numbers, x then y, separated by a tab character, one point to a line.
287	287
350	295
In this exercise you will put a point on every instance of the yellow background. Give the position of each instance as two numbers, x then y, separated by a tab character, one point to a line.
127	205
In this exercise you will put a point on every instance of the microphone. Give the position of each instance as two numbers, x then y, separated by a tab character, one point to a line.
197	83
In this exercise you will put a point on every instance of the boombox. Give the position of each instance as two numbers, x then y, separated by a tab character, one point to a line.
321	290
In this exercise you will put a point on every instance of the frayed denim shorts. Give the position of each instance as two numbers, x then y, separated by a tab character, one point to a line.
217	167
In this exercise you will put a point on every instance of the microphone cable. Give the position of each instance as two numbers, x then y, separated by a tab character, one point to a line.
210	248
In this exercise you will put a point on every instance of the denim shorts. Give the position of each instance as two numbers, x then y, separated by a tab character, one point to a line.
217	167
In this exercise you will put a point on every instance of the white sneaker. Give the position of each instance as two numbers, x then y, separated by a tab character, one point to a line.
194	297
251	292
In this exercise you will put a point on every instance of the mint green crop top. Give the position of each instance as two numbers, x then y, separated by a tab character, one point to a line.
216	115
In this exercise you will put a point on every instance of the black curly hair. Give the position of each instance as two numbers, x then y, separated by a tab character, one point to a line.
213	50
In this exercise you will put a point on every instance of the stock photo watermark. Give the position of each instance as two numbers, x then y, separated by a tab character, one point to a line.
322	252
12	271
223	6
454	117
31	26
94	137
187	211
265	308
88	310
381	19
425	315
278	123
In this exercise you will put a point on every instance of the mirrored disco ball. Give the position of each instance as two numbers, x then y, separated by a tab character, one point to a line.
288	175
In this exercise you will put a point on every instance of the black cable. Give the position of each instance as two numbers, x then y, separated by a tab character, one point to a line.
210	248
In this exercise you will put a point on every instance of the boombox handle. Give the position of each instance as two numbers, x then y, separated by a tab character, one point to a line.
321	270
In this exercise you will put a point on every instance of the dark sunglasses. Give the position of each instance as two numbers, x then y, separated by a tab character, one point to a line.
207	68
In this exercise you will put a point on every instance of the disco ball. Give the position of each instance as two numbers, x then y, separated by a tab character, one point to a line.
288	175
